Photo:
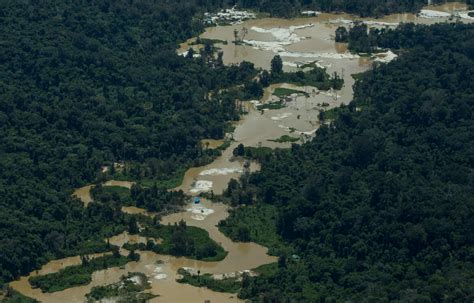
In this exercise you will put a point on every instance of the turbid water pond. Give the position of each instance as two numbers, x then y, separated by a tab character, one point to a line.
297	41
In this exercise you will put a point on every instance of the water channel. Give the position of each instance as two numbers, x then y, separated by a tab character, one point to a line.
296	40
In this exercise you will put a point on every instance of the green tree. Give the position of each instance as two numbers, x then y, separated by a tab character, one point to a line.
342	34
265	78
276	65
239	151
133	226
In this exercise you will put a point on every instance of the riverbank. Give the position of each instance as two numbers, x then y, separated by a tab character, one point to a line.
254	130
161	269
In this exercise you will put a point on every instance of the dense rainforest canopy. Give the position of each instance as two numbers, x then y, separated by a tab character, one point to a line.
291	8
379	206
86	83
364	8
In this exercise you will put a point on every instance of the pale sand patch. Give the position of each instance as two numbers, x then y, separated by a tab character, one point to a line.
201	186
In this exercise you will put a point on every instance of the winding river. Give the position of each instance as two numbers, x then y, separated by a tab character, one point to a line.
297	40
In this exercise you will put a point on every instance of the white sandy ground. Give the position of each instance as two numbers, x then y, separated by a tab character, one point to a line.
283	36
318	55
282	116
220	171
385	57
429	14
256	103
135	279
184	54
465	15
158	273
287	36
190	270
310	13
231	15
199	209
201	186
370	23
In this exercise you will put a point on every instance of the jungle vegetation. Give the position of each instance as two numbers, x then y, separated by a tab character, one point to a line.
363	8
130	288
180	240
231	285
152	198
91	83
78	275
378	206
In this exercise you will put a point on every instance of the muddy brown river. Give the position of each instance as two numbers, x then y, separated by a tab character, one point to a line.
162	269
298	41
